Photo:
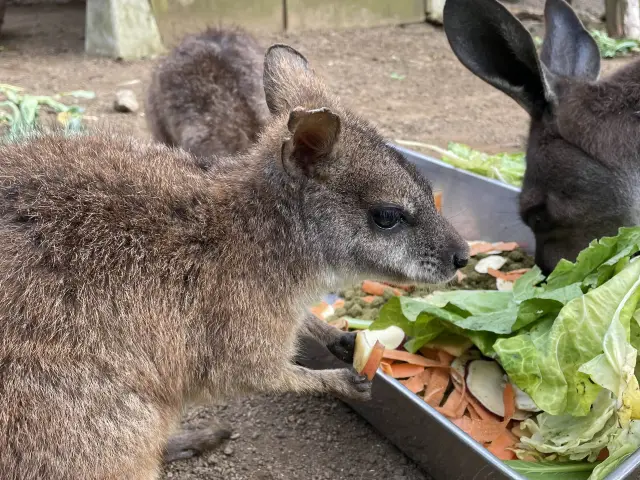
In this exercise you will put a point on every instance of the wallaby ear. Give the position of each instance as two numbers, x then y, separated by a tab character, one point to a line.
314	134
568	49
285	70
496	47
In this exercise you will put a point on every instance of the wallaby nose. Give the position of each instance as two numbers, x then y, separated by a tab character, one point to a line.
460	260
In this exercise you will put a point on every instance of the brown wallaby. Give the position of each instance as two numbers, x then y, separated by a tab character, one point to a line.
131	283
583	157
207	95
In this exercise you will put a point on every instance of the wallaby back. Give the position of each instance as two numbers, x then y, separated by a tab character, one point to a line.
583	157
207	95
132	282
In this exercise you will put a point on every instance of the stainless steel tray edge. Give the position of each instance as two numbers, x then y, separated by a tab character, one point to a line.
440	449
480	208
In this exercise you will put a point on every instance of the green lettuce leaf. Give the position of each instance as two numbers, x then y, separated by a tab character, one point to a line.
552	470
600	258
620	448
545	361
575	438
614	368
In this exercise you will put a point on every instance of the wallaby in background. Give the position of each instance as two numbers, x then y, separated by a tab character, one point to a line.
131	283
583	157
207	95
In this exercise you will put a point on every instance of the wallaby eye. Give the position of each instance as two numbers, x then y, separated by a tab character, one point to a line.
386	217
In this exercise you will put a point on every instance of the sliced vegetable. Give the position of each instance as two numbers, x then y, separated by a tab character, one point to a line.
485	383
391	337
492	262
367	356
405	370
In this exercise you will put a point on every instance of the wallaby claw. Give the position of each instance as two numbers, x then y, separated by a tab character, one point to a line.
343	347
359	386
191	443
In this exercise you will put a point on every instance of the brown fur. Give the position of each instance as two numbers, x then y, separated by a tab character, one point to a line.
207	95
131	283
583	153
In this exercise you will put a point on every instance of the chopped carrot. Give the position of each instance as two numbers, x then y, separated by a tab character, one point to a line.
455	348
505	246
480	247
412	358
480	430
405	370
509	399
369	298
445	357
436	388
376	288
339	303
415	384
501	446
386	368
520	270
430	353
437	198
405	287
454	406
482	412
472	412
484	247
425	376
375	358
320	310
603	455
373	288
506	276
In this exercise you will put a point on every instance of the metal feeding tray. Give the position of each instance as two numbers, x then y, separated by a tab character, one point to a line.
481	209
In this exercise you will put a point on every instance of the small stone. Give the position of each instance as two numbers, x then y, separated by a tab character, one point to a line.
125	102
235	436
212	460
255	435
228	450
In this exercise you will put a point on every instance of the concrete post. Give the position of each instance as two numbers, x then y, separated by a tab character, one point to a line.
124	29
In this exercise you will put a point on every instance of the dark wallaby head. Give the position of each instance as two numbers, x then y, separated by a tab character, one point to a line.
383	218
583	154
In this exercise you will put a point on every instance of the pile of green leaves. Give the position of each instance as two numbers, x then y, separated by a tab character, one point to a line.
20	111
506	167
569	340
613	47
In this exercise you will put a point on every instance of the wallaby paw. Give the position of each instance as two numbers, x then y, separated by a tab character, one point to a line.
191	443
343	347
358	387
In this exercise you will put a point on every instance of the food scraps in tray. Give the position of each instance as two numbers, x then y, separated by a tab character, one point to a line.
541	373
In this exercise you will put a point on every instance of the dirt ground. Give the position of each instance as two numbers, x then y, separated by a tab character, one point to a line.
403	79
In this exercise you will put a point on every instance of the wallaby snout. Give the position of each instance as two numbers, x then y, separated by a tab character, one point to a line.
583	153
